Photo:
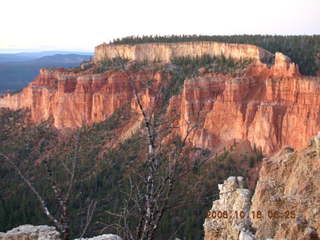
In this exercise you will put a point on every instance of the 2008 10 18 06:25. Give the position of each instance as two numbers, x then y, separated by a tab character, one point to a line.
254	214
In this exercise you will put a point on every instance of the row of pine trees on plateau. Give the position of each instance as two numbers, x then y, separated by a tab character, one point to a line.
303	49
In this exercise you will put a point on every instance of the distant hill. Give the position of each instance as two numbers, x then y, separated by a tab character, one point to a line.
17	70
27	56
63	59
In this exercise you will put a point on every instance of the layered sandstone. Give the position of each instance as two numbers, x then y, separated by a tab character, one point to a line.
269	112
266	106
74	99
164	52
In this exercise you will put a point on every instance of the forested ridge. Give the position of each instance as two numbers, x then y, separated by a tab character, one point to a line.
302	49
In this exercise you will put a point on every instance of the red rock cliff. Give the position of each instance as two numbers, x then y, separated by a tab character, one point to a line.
270	113
74	99
268	105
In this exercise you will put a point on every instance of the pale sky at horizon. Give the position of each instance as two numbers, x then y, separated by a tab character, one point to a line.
81	25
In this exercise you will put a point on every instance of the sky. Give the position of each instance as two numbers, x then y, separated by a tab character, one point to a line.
81	25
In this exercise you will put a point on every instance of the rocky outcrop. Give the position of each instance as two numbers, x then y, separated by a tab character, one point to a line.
283	64
288	195
285	204
282	67
164	52
29	232
229	216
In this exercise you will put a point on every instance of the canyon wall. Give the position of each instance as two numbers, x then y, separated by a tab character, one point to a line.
267	105
165	51
270	113
74	99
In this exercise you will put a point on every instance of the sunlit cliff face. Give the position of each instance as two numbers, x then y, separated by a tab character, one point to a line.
165	51
267	105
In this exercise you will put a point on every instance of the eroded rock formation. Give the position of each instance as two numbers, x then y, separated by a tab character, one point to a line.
270	105
229	216
73	99
267	112
265	105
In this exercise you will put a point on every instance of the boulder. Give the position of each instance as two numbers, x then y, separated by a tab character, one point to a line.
103	237
30	232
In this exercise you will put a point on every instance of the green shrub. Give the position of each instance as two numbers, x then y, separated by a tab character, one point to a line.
111	64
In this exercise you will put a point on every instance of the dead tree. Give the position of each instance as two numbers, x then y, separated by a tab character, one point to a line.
148	199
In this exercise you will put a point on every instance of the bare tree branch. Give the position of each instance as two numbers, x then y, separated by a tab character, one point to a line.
90	212
32	188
